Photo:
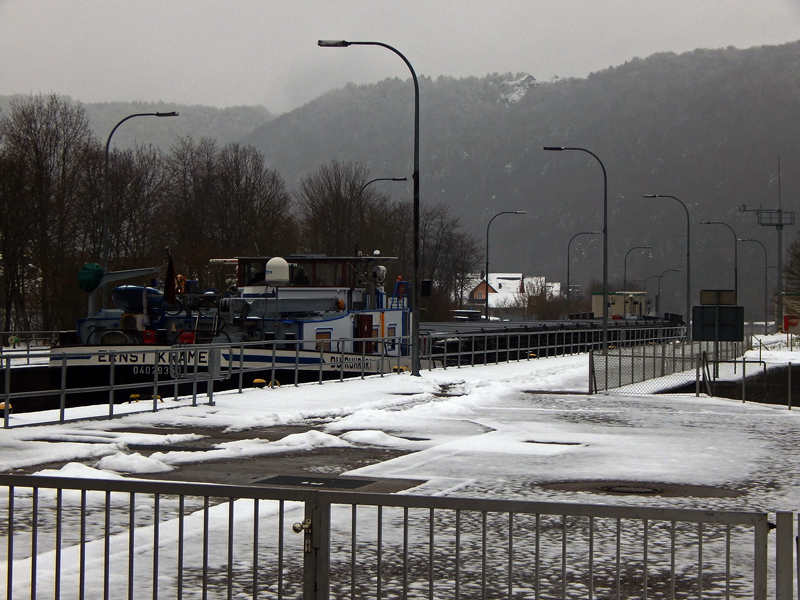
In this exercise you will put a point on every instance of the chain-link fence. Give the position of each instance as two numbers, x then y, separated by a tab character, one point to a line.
655	368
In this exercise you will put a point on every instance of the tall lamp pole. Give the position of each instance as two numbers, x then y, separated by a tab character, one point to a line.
625	271
505	212
688	316
605	238
766	282
735	257
104	257
646	281
658	297
415	341
361	205
569	289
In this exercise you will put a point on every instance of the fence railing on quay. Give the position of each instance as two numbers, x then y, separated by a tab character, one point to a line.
175	372
76	538
664	365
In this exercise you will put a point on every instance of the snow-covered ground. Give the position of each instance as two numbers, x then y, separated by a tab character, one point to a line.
489	431
498	431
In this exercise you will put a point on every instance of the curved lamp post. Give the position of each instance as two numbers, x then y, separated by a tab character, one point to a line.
605	238
766	282
735	257
658	297
505	212
688	315
646	281
104	257
625	273
361	205
415	341
569	289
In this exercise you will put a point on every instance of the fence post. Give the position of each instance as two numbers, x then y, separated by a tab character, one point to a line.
63	400
7	399
784	555
111	385
744	375
760	559
155	378
789	391
316	548
697	376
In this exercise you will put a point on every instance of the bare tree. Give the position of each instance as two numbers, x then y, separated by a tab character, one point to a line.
251	209
449	258
16	224
334	208
48	142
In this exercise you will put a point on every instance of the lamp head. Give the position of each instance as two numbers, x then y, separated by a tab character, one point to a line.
333	43
554	148
650	195
167	114
520	212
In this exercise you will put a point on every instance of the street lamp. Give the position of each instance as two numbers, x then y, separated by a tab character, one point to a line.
361	205
104	257
569	289
658	297
625	272
766	282
415	341
486	290
735	257
688	316
605	238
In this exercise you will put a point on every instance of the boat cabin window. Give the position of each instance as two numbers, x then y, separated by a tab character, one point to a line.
252	272
307	273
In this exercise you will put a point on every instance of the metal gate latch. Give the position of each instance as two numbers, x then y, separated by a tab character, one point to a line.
305	526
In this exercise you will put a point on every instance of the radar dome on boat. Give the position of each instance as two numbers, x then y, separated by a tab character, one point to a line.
277	272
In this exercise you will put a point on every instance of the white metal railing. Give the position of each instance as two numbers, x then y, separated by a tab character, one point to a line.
72	538
488	347
179	371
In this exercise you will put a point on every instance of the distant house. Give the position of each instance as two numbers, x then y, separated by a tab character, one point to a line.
508	293
502	289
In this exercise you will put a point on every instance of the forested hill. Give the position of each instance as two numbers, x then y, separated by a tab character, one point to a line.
222	124
707	126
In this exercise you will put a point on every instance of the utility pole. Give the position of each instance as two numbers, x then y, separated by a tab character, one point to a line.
777	218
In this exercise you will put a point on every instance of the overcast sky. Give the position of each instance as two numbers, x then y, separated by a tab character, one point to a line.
265	52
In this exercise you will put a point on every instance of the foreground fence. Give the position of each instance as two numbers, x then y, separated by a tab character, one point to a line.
72	538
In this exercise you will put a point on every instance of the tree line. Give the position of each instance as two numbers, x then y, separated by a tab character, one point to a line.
197	201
